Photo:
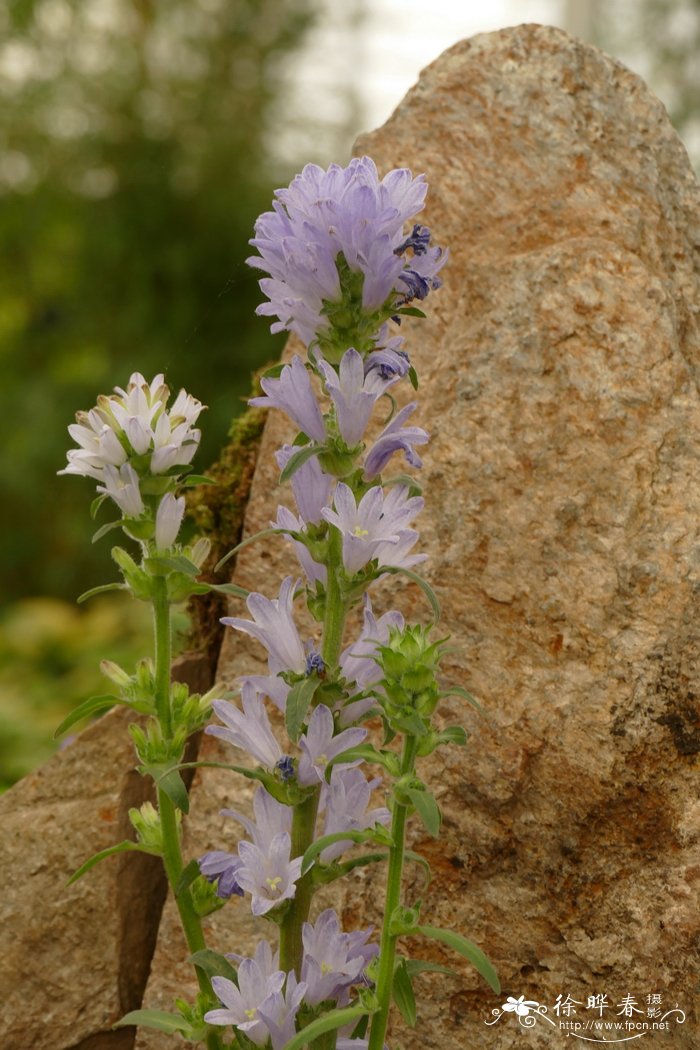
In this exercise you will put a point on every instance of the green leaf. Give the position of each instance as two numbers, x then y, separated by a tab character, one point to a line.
173	785
158	1019
411	311
163	566
427	809
88	707
102	589
299	458
428	591
453	735
330	1022
319	845
189	874
121	847
274	372
104	529
466	948
402	990
417	859
416	966
298	701
96	504
250	539
457	690
227	588
368	753
414	489
273	786
197	479
213	964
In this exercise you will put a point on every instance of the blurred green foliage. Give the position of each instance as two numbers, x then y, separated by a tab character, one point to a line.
136	150
134	158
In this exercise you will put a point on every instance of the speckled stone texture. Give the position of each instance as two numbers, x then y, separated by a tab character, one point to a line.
558	377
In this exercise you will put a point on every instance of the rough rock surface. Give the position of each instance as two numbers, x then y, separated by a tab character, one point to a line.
558	378
558	373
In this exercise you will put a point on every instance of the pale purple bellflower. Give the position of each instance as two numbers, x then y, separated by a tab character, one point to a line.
395	438
273	626
248	729
346	798
333	960
319	746
292	392
257	981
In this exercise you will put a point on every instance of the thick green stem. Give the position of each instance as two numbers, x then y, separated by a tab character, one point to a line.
304	818
334	619
387	949
162	637
303	832
172	853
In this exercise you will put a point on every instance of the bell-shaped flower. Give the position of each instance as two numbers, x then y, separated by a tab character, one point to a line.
346	799
319	745
395	438
222	868
386	365
376	520
313	570
256	983
333	960
269	875
357	662
279	1011
168	520
273	626
271	819
292	392
248	729
122	485
311	486
353	402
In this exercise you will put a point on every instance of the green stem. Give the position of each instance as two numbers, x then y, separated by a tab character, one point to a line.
304	817
303	833
334	619
387	949
162	637
172	853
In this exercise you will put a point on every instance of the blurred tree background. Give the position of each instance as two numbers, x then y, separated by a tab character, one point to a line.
136	150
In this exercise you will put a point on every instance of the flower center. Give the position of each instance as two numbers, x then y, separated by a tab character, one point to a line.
359	531
251	1014
274	883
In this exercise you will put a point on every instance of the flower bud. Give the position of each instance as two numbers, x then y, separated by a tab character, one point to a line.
168	520
410	663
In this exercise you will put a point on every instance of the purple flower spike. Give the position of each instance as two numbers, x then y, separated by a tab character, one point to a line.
395	438
273	626
346	212
353	403
292	393
248	729
319	746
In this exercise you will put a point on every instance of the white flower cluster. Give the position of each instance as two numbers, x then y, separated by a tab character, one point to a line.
132	435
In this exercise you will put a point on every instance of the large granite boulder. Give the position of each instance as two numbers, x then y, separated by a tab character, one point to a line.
558	372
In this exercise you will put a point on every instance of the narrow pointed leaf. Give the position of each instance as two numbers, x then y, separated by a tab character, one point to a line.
417	859
273	786
453	735
174	787
274	372
88	707
164	566
102	589
158	1019
121	847
414	489
299	458
227	588
457	690
319	845
413	377
104	529
96	504
416	966
427	809
197	479
411	311
328	1023
466	948
298	702
250	539
428	591
214	965
189	874
402	991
